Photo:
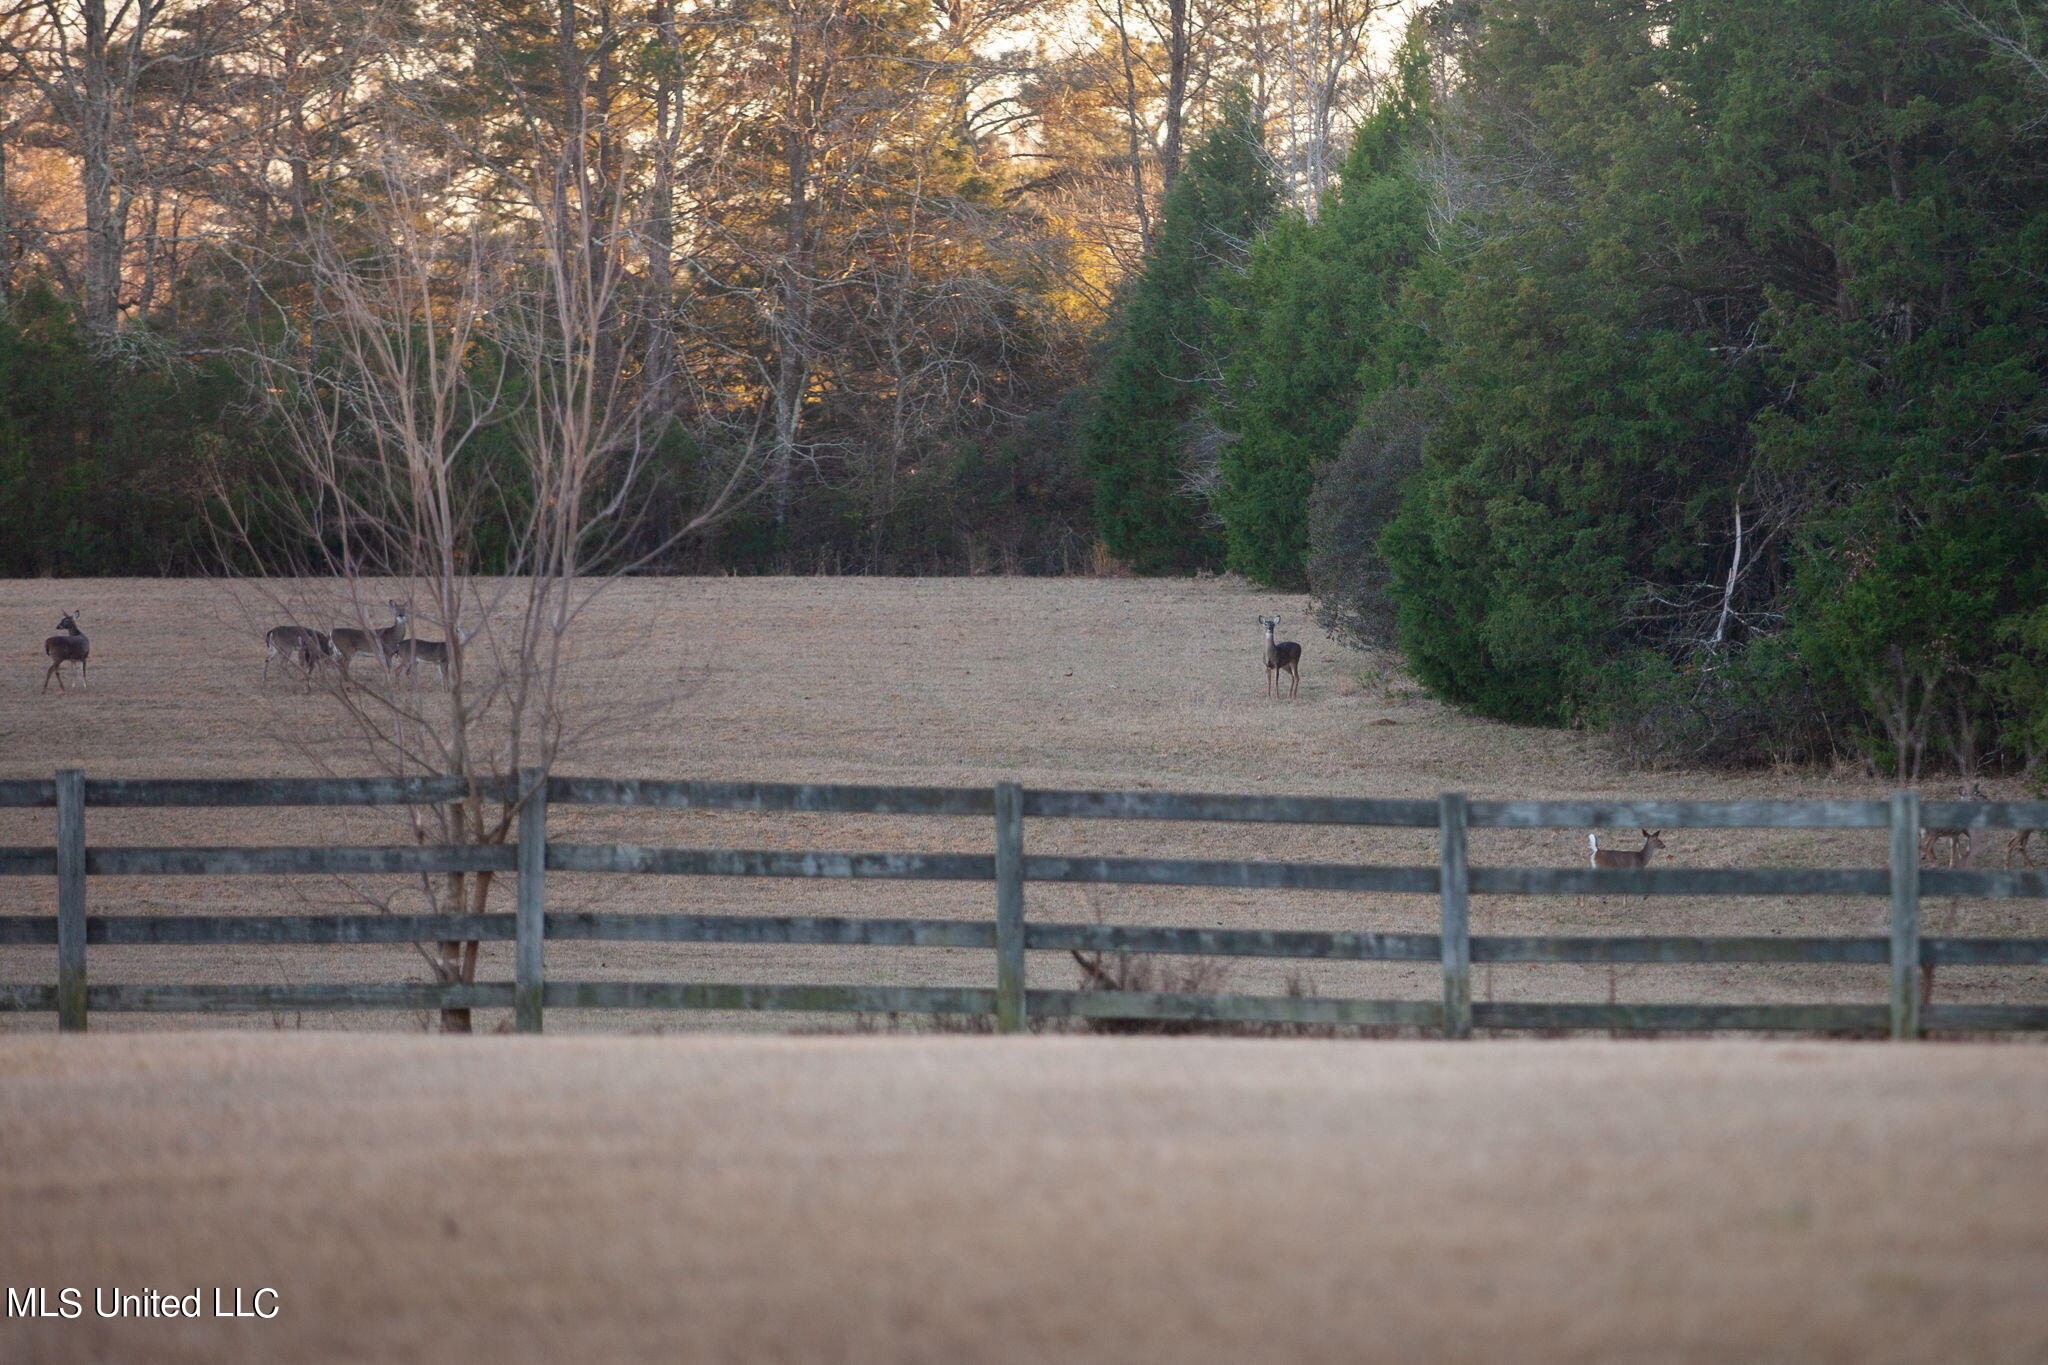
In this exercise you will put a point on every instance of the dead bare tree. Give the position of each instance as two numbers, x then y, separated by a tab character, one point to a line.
427	332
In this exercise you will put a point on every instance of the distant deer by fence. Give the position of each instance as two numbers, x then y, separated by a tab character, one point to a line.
1453	881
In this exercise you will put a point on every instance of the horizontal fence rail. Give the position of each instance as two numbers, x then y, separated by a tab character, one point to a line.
528	860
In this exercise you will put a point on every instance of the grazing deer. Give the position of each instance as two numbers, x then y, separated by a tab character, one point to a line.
1626	859
1959	840
309	646
69	648
349	641
410	654
1282	656
2018	844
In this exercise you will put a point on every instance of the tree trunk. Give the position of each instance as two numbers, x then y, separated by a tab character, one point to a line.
97	121
1176	90
792	370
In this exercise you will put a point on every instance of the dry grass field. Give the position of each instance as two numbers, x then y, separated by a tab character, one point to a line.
1077	683
1060	1200
940	1198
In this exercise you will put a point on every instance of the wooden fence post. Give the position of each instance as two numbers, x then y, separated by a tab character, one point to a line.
529	946
1009	907
1905	951
71	900
1457	936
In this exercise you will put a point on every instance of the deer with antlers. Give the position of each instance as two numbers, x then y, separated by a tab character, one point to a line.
69	648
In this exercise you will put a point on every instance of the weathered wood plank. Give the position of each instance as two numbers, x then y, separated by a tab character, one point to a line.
1295	810
685	995
173	930
1983	952
1341	946
806	929
1140	805
1680	881
28	860
177	930
18	931
1905	914
168	930
1269	1009
530	948
742	862
1678	814
1941	881
1176	872
41	861
72	1001
286	791
1984	815
211	999
1009	808
1680	949
286	860
27	999
1763	1018
605	791
1456	940
1984	1017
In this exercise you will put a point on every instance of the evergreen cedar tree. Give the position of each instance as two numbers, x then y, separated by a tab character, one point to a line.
1771	254
1312	300
1168	348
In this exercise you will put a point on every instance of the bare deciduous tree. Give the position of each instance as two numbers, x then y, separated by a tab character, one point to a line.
456	395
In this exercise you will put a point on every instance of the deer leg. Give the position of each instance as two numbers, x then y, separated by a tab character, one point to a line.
1295	689
50	673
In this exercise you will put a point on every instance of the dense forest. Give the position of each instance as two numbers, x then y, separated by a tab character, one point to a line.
1672	367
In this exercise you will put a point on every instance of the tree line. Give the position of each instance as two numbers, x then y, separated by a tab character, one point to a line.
864	247
1667	366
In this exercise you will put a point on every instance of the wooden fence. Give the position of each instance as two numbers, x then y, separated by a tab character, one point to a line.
529	994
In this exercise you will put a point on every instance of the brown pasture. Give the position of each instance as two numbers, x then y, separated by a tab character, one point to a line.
902	1200
1072	683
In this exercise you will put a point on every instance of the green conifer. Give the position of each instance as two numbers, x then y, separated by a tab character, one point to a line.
1169	348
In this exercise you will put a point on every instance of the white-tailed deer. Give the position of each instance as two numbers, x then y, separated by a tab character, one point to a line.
1959	840
1282	656
2018	844
412	653
1626	859
349	641
307	645
69	648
